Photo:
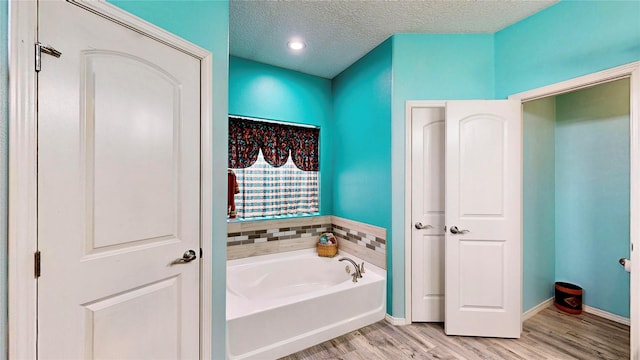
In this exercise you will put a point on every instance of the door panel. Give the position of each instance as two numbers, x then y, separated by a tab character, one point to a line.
482	290
483	201
118	191
133	138
428	280
481	147
116	322
427	168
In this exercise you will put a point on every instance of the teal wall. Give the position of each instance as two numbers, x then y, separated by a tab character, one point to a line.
428	67
538	201
269	92
362	108
362	143
592	193
442	67
4	139
205	23
566	40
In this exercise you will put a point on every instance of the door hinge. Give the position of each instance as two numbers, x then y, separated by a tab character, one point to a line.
36	264
41	48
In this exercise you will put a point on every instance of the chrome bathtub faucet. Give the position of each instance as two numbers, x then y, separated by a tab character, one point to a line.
358	269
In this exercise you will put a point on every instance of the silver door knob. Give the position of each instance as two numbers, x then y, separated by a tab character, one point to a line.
626	264
455	230
419	226
188	256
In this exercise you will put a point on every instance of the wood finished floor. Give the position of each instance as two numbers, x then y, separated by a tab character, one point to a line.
550	334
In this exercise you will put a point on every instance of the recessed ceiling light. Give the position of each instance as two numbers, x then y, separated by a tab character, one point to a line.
296	45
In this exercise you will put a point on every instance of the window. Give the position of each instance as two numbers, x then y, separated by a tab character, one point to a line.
275	167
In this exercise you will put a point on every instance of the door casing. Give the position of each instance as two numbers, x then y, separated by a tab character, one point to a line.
23	19
631	71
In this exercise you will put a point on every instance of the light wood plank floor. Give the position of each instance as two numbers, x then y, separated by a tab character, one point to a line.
550	334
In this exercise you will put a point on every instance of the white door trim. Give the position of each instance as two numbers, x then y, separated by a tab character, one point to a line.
22	238
409	105
631	71
23	169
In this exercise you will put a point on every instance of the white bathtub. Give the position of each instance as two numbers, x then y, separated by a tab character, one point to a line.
282	303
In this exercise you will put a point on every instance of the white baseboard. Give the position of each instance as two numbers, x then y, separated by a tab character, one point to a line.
536	309
586	308
607	315
396	321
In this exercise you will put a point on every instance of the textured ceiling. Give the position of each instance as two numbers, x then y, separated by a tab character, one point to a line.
339	32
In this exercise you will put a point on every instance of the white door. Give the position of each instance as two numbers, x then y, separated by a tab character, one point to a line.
427	212
483	216
118	192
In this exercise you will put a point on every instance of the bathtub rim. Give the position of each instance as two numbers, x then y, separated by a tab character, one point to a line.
380	275
287	254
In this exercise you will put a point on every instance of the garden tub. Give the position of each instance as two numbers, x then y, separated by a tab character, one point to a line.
281	303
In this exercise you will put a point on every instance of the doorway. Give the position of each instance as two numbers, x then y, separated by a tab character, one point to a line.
631	71
467	233
576	197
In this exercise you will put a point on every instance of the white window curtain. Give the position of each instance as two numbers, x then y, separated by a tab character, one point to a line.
266	191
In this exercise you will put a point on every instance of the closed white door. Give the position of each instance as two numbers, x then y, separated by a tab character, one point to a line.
483	266
118	192
427	212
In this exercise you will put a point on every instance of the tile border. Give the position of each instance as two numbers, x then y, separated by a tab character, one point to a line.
254	238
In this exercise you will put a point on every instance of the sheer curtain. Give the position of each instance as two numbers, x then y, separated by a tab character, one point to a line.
267	191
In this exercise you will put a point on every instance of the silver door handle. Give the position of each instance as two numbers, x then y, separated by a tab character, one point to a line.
419	226
188	256
455	230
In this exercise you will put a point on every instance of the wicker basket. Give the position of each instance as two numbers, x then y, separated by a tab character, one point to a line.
328	250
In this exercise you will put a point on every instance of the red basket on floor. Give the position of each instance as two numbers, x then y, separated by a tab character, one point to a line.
568	298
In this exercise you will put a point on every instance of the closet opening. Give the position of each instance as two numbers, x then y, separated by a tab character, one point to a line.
576	197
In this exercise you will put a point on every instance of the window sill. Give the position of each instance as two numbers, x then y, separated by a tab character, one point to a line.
279	217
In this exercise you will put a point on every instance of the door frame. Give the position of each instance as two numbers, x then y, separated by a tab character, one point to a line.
631	71
22	237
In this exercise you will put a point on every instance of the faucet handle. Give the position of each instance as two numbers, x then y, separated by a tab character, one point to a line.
362	268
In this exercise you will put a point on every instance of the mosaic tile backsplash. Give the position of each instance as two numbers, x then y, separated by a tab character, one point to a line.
368	240
285	233
245	239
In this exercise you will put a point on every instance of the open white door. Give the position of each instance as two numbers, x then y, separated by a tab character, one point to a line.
118	192
427	212
483	260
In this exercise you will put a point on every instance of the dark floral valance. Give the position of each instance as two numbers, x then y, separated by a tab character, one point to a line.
277	141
